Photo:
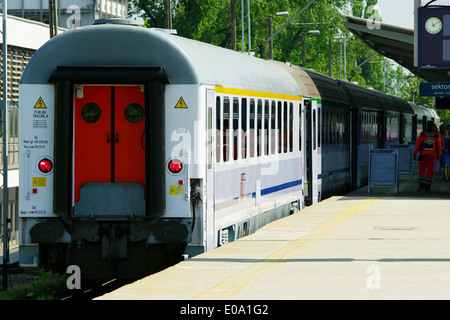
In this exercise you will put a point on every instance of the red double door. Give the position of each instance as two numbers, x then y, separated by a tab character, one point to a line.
109	138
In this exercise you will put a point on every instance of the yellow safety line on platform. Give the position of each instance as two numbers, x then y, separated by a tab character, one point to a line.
235	283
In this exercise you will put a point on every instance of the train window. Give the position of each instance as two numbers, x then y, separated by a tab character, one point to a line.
396	126
244	127
299	127
322	127
259	129
266	127
134	113
338	127
377	126
273	128
314	129
91	112
226	129
235	127
332	129
252	128
210	138
319	124
388	126
374	126
279	132
291	128
218	128
366	127
285	128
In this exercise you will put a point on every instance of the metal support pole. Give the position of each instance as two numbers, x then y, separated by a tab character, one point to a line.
416	32
286	24
242	21
340	60
53	17
4	109
345	58
233	24
304	50
330	58
271	40
168	8
248	27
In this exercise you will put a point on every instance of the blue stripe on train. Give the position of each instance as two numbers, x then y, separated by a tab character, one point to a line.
279	187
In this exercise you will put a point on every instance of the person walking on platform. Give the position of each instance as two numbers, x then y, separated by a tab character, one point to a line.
437	162
445	153
429	146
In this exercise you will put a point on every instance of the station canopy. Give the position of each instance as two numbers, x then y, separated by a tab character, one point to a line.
393	42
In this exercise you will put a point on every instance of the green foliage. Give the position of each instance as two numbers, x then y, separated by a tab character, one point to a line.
210	21
50	286
445	116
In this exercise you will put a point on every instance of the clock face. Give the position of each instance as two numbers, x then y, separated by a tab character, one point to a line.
433	25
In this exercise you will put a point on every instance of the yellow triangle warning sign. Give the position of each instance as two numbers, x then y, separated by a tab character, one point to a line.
40	104
181	104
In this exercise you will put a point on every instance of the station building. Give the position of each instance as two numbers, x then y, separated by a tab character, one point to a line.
69	11
24	37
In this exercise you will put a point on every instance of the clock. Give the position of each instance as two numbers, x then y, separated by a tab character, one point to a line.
433	25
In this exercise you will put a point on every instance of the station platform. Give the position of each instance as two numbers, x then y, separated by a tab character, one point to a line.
363	246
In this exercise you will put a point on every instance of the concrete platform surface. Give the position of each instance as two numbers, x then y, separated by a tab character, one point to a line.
380	245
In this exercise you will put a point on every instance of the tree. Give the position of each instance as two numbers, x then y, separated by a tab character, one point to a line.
210	21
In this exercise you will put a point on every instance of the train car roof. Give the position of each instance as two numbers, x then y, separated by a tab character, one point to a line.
319	86
433	113
329	88
418	109
402	104
360	96
315	85
184	61
427	112
386	101
303	80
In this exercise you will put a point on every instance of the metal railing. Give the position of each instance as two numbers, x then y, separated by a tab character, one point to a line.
13	138
13	216
13	163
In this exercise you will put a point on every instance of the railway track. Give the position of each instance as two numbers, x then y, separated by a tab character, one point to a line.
93	289
18	277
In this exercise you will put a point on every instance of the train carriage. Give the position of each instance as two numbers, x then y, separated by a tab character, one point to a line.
136	142
138	146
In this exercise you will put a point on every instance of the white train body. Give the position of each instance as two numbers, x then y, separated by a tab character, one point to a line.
207	153
138	146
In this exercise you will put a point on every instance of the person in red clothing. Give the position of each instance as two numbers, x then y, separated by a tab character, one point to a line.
429	146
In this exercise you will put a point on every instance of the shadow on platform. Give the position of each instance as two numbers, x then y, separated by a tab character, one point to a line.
408	188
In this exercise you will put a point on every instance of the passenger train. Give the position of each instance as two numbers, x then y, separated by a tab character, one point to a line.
138	146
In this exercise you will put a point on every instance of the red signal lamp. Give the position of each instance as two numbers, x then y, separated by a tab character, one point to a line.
175	166
45	165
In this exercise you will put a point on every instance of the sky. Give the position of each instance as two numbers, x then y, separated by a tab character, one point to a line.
397	12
